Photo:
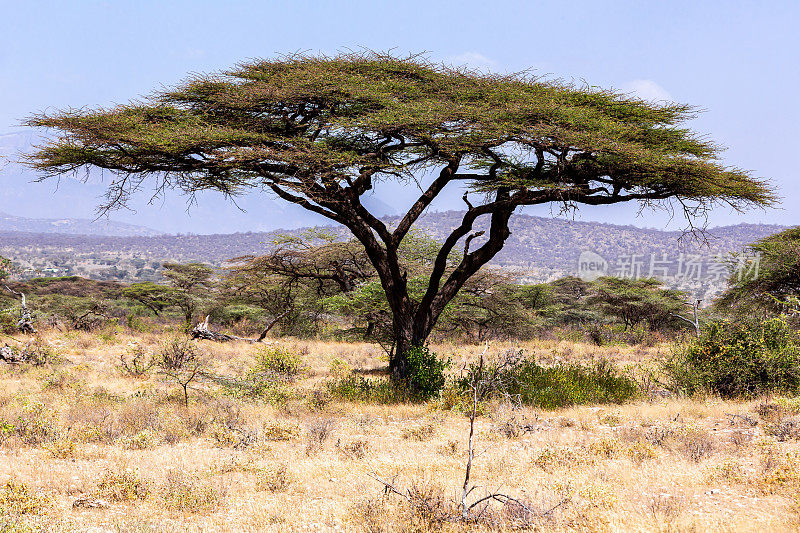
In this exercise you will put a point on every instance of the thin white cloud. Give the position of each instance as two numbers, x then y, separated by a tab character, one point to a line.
647	90
472	60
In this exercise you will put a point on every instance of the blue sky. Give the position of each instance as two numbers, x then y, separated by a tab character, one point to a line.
737	60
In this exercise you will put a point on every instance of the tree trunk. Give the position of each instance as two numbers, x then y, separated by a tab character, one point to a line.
409	333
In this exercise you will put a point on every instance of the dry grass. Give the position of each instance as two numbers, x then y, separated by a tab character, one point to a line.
86	428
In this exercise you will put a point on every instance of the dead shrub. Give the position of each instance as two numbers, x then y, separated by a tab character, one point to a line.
276	479
697	444
770	412
177	354
785	429
372	516
356	449
123	486
666	506
92	423
187	493
317	433
740	438
511	429
136	363
421	432
137	416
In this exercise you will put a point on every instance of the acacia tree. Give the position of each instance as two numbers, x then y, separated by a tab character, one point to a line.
321	132
639	300
191	284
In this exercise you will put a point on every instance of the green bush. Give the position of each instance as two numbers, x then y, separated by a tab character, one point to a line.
426	373
231	314
737	359
572	384
278	362
561	385
269	378
356	388
426	378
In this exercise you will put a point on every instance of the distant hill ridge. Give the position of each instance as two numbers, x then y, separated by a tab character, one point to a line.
73	226
543	247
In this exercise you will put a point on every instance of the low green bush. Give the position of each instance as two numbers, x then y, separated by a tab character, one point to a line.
426	373
278	362
562	385
356	388
738	359
426	378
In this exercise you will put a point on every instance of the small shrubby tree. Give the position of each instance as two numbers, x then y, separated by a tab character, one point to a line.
771	286
193	284
322	132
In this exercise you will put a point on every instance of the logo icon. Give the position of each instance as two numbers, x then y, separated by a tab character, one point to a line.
591	266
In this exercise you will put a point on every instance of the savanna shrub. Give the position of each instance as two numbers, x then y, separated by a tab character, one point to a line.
268	379
557	386
426	378
177	354
426	373
278	362
738	359
354	387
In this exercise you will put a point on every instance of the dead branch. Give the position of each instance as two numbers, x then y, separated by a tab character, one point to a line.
25	323
695	322
271	325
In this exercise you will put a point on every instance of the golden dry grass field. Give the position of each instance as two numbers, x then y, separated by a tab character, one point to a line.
85	446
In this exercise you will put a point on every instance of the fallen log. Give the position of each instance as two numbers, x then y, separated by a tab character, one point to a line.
201	331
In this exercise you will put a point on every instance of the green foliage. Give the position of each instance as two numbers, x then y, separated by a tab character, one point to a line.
638	300
270	376
349	385
426	373
278	362
235	313
769	281
738	359
562	385
326	115
5	268
8	320
151	295
356	388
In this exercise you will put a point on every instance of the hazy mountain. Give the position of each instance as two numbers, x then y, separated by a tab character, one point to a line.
539	249
73	226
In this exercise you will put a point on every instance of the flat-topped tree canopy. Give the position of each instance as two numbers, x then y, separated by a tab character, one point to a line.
321	131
